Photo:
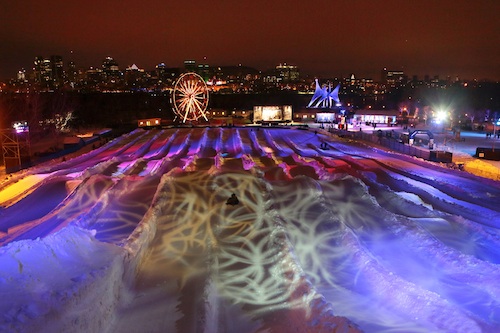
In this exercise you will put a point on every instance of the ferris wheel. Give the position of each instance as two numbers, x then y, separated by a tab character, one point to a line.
190	97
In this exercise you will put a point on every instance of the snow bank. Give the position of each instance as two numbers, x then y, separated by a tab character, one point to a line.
139	242
61	283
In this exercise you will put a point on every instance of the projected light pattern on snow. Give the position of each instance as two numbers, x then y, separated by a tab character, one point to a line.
385	241
246	246
355	245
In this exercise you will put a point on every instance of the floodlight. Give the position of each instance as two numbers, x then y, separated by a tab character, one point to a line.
20	126
441	116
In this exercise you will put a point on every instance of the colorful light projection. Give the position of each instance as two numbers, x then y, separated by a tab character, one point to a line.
372	236
325	238
244	249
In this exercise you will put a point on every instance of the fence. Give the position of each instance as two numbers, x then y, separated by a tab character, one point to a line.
394	142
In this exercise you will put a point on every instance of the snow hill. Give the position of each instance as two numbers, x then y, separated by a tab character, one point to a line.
136	236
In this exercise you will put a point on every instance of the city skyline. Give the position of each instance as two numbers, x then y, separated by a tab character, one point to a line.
449	38
60	69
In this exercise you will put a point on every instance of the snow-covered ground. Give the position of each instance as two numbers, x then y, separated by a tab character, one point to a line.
136	236
463	146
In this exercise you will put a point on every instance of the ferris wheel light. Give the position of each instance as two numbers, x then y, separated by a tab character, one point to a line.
190	97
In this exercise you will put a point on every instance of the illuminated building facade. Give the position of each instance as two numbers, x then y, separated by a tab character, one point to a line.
42	70
393	78
166	75
49	72
189	65
287	73
325	97
21	75
57	69
278	114
110	68
204	71
370	117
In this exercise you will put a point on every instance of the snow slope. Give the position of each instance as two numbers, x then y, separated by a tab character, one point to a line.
136	236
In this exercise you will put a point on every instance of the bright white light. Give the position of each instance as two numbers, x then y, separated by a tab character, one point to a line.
20	126
441	116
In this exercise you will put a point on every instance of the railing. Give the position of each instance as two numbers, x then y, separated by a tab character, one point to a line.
393	142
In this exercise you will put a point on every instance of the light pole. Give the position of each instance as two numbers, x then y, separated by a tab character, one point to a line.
495	124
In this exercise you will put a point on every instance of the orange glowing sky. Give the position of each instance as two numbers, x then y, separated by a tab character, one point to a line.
322	37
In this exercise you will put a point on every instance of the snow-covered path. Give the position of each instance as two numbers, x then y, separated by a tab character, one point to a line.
341	239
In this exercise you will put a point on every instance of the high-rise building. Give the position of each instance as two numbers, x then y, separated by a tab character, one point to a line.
393	77
49	72
165	74
42	70
204	71
57	69
161	70
110	68
287	73
21	75
189	65
72	73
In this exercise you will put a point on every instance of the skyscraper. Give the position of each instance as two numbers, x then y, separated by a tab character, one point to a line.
393	78
287	73
49	72
42	70
189	65
110	68
57	69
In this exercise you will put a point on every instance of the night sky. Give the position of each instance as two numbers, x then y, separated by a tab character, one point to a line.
323	37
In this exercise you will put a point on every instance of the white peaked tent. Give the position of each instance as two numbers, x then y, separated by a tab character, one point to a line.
324	97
